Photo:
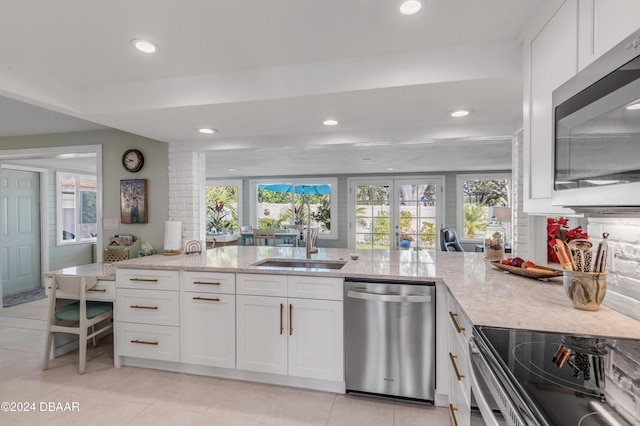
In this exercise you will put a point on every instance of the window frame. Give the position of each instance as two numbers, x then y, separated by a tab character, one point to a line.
460	179
228	182
60	241
333	203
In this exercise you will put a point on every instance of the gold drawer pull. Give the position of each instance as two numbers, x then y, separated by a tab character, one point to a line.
455	367
212	299
453	410
97	290
455	322
142	342
290	319
143	307
207	282
144	280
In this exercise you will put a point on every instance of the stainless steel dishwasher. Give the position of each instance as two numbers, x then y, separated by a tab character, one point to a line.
390	338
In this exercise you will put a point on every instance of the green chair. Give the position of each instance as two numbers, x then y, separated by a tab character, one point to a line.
76	317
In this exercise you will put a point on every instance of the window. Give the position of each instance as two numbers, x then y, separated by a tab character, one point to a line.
277	203
76	208
477	194
224	205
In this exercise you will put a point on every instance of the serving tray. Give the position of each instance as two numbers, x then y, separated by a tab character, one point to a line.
548	272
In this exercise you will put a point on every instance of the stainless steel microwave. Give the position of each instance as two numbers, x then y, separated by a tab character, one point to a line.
596	129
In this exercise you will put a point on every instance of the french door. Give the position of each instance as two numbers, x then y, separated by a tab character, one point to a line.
395	213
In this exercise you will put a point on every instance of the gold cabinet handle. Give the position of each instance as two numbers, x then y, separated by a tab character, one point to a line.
281	324
452	357
290	319
143	307
144	280
142	342
212	299
455	322
97	290
206	282
453	410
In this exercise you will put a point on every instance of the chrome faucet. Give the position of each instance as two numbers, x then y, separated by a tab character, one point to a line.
308	238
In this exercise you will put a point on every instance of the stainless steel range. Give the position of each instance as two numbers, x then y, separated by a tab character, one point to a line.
538	378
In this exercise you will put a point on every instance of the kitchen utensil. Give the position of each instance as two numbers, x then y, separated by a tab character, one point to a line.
601	254
579	247
588	257
563	257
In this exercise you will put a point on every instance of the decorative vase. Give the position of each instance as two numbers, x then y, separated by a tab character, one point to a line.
405	244
586	290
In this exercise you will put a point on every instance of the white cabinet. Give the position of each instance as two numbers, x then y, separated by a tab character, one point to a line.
148	314
262	334
550	60
460	330
297	336
316	339
603	24
208	324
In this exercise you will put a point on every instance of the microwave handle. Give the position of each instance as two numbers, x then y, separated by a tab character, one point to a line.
483	404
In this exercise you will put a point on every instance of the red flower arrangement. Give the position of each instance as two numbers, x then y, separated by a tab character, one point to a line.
558	229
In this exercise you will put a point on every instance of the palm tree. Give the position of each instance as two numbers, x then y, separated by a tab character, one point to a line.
474	219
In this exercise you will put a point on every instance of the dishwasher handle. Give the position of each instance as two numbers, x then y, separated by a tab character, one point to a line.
389	297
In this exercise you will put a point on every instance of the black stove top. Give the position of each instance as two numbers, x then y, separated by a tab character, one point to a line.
570	380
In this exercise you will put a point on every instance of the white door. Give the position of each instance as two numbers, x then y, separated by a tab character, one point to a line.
261	334
20	234
316	346
209	329
395	213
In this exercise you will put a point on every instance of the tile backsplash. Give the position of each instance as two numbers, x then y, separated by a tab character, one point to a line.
623	263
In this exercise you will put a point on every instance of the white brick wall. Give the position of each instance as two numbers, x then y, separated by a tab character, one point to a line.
187	190
520	223
623	262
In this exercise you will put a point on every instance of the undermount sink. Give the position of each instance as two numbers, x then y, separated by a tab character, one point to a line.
300	264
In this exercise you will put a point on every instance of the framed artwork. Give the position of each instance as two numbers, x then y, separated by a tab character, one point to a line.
133	201
87	207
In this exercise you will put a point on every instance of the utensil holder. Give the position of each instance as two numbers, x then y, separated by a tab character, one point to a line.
586	290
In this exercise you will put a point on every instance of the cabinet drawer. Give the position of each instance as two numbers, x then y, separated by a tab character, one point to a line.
459	366
209	282
315	287
459	409
148	341
261	284
103	290
148	306
147	279
459	321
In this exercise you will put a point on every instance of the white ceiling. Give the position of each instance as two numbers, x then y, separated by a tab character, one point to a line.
266	73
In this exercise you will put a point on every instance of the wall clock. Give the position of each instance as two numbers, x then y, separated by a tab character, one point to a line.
132	160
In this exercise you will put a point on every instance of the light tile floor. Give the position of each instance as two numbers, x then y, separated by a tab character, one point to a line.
138	396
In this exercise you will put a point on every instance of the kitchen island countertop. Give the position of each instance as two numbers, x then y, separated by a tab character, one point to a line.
488	296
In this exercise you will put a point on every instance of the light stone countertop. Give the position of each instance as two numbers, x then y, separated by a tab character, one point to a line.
104	271
488	295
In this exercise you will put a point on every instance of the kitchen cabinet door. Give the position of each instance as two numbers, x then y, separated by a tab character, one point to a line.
550	60
603	24
316	344
209	329
261	339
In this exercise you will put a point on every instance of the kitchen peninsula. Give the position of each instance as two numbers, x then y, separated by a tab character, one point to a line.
487	295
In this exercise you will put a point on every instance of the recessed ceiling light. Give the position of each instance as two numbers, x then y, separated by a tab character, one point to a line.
460	112
330	122
232	170
633	106
390	168
207	131
409	7
145	46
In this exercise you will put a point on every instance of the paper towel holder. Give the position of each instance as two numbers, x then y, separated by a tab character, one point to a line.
172	237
